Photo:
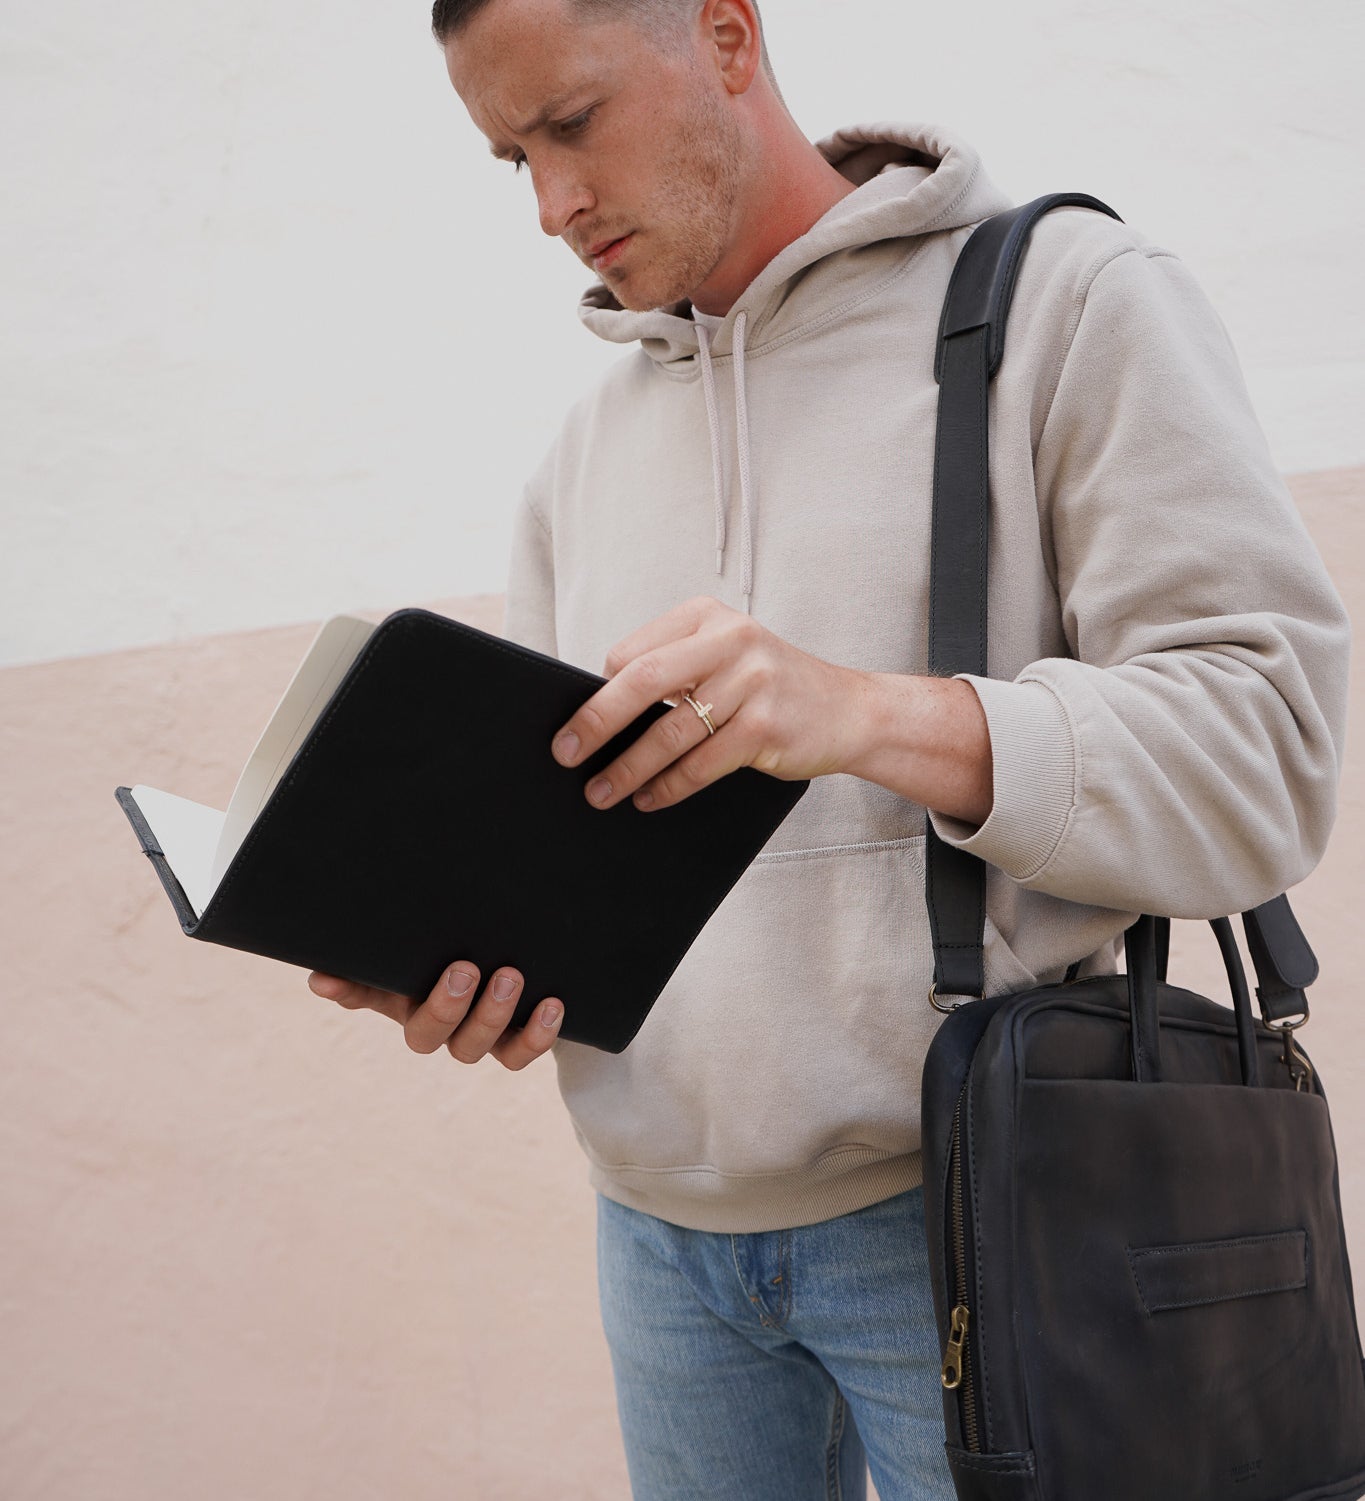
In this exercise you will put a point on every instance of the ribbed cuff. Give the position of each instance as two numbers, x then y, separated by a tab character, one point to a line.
1033	752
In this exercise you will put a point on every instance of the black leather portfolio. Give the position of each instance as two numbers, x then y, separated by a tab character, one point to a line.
422	819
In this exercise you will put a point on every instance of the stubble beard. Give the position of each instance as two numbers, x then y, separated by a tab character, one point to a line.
691	219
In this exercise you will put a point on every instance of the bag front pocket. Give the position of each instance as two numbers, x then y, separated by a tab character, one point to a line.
1216	1271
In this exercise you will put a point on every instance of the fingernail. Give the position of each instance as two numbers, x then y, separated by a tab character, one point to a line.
503	987
566	747
550	1013
322	985
644	799
458	981
600	790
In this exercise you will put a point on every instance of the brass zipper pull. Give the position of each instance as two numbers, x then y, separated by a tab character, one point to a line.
957	1338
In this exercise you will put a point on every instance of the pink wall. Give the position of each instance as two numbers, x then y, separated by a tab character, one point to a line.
253	1246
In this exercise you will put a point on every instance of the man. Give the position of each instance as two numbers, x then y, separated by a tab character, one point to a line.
739	513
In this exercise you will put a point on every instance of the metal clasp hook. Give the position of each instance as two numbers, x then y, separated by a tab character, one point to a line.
943	1006
1300	1069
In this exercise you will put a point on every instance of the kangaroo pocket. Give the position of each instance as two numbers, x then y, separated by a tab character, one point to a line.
791	1038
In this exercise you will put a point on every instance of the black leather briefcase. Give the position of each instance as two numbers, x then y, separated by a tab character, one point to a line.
1141	1275
1140	1271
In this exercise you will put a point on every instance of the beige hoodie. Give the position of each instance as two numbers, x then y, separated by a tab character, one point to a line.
1168	659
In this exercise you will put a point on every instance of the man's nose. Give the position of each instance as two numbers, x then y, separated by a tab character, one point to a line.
560	193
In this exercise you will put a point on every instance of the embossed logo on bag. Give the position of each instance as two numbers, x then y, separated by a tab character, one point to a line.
1247	1470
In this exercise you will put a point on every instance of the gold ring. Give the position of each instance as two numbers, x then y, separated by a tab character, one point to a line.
703	712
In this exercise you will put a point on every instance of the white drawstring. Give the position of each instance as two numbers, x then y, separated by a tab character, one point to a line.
708	381
745	490
708	385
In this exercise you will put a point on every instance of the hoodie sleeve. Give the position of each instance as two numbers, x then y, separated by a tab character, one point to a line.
529	611
1184	760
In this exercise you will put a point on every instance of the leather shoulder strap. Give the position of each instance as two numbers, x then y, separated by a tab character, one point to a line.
1285	964
971	346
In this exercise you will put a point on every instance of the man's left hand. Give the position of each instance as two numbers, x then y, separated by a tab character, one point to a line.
774	707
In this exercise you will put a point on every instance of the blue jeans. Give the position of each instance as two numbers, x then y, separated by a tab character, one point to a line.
776	1366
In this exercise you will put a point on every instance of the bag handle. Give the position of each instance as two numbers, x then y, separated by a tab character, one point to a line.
1284	962
1139	948
1145	973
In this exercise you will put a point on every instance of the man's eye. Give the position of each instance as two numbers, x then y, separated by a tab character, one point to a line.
579	123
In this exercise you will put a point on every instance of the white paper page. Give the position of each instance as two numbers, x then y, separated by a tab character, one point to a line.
334	648
188	834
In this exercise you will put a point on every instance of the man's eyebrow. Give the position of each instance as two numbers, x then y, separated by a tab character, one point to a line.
552	106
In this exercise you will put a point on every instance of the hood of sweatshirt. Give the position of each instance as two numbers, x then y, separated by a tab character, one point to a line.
909	180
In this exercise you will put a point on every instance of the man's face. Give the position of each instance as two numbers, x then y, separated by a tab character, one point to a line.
634	155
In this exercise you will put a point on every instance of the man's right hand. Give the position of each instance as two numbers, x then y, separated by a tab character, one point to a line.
450	1017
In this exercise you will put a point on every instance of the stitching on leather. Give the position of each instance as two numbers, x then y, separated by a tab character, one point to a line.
1230	1297
1006	1464
1145	1253
1219	1245
1141	1062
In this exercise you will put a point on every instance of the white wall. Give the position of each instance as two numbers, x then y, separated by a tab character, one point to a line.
281	339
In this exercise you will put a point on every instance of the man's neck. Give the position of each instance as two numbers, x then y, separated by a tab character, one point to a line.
792	189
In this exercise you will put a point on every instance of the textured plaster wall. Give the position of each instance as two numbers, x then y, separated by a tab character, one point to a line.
281	339
253	1248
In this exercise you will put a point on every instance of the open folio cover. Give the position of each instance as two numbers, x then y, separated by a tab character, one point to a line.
403	810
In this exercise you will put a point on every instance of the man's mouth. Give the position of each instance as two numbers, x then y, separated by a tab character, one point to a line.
605	252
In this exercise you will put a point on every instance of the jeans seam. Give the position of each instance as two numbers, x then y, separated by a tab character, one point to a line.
775	1320
764	1322
784	1265
834	1489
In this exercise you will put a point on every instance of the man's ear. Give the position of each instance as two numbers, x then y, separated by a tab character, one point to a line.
732	28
